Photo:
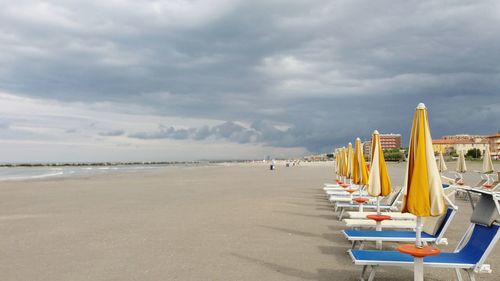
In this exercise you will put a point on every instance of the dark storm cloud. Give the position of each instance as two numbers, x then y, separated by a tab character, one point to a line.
330	70
226	131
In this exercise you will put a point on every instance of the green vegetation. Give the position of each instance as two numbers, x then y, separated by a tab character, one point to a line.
473	153
394	155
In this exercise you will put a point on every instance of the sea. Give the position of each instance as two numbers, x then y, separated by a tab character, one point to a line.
41	172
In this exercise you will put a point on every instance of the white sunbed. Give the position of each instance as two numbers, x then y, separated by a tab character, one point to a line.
393	215
339	198
364	223
345	193
400	223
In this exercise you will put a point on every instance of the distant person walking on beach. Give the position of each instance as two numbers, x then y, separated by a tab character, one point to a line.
273	165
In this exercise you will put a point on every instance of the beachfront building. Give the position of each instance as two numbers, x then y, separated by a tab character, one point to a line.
494	142
390	141
452	145
367	146
316	158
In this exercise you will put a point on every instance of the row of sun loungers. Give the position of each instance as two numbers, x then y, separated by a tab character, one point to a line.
469	256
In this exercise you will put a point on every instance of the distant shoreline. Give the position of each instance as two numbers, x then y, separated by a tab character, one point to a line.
136	163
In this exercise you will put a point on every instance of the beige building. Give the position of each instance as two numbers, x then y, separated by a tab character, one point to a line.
446	146
494	142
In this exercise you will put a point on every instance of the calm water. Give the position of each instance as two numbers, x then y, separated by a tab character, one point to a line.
24	173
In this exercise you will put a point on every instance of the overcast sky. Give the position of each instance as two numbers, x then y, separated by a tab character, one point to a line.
184	80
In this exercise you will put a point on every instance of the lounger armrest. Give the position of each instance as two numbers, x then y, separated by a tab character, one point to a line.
484	268
442	241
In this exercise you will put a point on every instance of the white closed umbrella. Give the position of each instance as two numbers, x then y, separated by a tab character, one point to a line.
488	165
441	164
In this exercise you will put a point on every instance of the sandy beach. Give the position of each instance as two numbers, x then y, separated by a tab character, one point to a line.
234	222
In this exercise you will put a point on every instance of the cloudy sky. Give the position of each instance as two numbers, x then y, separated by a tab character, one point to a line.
184	80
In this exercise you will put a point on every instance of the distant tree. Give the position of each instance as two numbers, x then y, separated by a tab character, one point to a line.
394	155
474	153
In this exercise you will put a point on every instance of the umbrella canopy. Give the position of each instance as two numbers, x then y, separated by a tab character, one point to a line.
359	172
423	190
442	165
344	162
350	155
461	166
336	156
379	183
487	163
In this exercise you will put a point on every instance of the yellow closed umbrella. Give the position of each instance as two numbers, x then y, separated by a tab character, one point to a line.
423	190
359	172
345	166
341	163
379	183
350	155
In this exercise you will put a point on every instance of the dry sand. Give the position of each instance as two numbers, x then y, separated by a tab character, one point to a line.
239	222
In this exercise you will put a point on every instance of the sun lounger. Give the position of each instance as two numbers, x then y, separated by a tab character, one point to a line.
366	223
392	202
394	215
469	257
344	193
357	221
470	254
347	199
401	236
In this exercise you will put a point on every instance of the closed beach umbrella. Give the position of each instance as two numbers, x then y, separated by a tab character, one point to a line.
487	163
336	156
359	172
379	183
350	155
442	164
344	162
461	166
423	190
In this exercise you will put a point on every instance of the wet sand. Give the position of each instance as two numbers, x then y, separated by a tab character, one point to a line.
240	222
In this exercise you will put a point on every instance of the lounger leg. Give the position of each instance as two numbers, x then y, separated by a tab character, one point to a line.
341	214
372	273
362	277
459	275
353	244
472	276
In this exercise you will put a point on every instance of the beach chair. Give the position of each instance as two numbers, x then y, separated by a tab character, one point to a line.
391	203
344	193
357	221
401	236
394	215
347	199
470	254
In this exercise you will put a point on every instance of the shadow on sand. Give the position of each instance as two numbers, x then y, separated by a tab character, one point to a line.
321	274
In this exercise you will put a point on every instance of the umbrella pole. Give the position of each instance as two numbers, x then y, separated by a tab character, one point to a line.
419	262
418	274
379	225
